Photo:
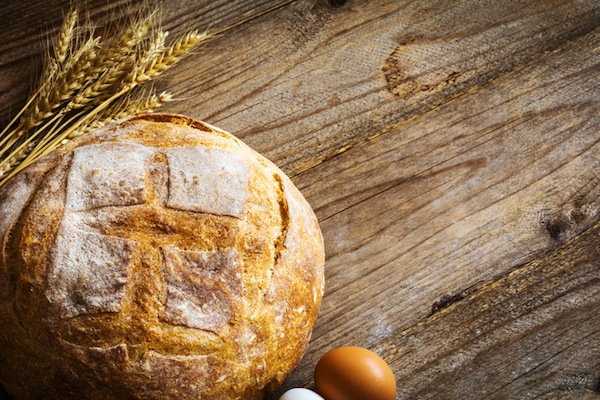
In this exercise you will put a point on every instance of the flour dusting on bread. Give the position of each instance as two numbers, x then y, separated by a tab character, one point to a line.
203	288
89	272
207	180
104	175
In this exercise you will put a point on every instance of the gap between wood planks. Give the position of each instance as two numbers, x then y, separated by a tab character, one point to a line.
563	114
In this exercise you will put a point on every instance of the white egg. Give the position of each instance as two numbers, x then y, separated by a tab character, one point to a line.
300	394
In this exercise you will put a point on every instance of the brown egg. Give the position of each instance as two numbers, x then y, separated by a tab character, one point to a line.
354	373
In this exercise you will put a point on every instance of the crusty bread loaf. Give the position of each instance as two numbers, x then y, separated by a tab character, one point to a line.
158	258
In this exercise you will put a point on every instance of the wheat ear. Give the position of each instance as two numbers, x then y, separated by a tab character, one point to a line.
125	45
51	95
165	59
126	109
168	57
98	74
111	64
61	50
65	36
57	91
8	165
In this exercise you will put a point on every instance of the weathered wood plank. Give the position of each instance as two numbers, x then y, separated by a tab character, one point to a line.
441	144
456	196
308	81
533	334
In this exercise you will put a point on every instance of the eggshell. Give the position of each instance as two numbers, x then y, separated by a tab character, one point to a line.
300	394
354	373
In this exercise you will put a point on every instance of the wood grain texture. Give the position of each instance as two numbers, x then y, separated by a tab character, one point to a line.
456	197
451	151
323	80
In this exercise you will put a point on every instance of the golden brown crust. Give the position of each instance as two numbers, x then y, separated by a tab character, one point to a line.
156	258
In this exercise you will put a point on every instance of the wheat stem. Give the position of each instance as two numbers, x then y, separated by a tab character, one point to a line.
64	130
5	135
31	140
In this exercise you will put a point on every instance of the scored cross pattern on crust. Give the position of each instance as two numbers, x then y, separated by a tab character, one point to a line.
117	227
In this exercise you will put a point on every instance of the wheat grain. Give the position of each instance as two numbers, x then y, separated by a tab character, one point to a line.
36	107
65	36
101	86
156	59
112	64
61	46
154	48
74	76
151	103
56	92
52	95
62	76
115	52
99	120
133	36
79	84
166	59
126	109
143	106
10	163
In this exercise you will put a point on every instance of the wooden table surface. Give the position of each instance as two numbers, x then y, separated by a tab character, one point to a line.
451	151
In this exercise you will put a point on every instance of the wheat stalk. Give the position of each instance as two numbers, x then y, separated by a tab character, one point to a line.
46	100
61	50
86	84
49	97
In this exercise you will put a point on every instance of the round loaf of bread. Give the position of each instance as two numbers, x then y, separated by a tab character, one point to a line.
156	258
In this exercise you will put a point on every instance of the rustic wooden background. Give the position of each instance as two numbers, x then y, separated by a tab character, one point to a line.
451	150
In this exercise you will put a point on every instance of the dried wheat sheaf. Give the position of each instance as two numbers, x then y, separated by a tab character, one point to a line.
88	82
